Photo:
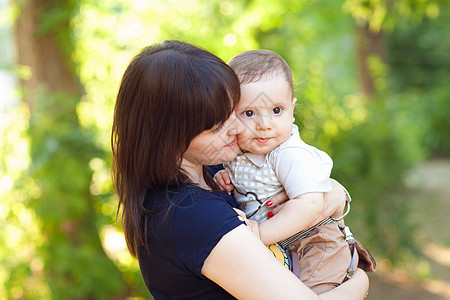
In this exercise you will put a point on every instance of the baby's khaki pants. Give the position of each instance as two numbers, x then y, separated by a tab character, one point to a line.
324	258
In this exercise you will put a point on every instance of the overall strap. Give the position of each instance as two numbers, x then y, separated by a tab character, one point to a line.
302	234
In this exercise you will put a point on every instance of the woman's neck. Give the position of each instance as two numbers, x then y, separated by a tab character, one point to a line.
195	173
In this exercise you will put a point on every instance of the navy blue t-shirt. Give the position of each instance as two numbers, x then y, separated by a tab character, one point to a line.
180	239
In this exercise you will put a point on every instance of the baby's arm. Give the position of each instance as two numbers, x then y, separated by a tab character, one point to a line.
303	212
297	214
293	216
304	173
334	201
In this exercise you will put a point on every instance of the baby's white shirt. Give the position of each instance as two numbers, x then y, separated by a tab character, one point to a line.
293	166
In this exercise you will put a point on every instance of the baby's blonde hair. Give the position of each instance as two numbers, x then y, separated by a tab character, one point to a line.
254	65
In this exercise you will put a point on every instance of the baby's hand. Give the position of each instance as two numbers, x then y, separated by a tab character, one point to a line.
251	224
223	179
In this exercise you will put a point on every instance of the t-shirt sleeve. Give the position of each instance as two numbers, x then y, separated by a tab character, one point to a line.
214	169
302	170
200	227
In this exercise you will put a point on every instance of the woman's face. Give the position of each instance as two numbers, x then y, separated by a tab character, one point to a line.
217	145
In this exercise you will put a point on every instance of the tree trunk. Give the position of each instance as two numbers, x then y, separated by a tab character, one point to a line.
75	265
42	54
369	43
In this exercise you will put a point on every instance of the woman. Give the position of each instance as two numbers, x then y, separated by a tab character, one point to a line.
173	117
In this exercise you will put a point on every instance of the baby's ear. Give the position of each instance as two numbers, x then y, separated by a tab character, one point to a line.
294	100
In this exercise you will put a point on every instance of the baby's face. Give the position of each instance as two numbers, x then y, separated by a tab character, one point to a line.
266	109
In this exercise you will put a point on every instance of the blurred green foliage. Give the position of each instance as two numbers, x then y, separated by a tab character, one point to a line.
56	163
420	64
374	142
75	264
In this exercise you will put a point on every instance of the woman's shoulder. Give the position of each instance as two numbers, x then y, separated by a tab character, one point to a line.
191	207
188	196
196	196
202	216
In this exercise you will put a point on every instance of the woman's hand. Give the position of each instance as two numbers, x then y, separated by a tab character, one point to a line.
356	287
334	202
277	203
252	225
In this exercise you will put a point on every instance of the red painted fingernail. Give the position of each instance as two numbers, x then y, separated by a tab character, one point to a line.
270	214
269	203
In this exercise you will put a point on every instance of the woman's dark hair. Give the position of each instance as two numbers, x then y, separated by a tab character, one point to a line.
169	93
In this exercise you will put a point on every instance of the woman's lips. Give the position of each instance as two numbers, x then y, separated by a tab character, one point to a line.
233	143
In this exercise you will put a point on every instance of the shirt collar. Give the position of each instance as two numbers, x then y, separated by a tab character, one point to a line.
257	159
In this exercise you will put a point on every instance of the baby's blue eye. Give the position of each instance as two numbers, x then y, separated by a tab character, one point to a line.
277	110
249	113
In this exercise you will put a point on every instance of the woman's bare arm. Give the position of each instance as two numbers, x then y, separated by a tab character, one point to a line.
355	288
244	267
